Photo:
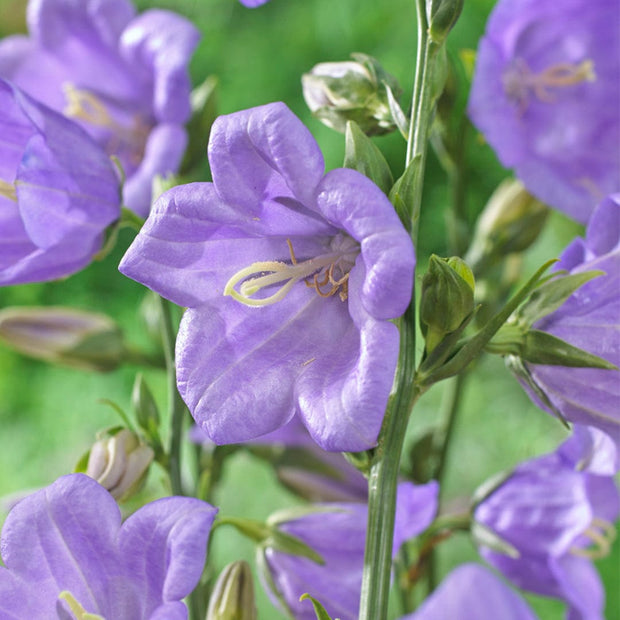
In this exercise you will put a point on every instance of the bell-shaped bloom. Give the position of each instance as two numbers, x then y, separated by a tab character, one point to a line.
252	4
545	95
58	192
473	591
123	77
338	535
302	466
65	551
556	515
589	320
291	278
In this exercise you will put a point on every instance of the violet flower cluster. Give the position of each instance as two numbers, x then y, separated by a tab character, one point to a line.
556	514
291	278
546	93
122	77
66	553
588	320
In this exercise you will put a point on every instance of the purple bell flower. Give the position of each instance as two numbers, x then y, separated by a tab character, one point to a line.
546	93
556	513
65	551
338	535
589	321
123	77
473	591
58	192
291	278
252	4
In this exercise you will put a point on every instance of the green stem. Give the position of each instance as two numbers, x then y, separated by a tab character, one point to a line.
176	406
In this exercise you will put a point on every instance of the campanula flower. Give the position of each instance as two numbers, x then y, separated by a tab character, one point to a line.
545	94
123	77
251	4
473	591
66	553
589	321
556	513
58	192
291	278
338	534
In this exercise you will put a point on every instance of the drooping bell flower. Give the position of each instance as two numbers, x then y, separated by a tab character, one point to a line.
554	515
473	591
545	94
338	534
123	77
589	321
58	192
66	553
291	278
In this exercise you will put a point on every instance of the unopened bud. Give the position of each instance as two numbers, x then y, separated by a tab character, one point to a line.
120	463
75	338
145	407
233	595
357	90
441	16
447	298
510	222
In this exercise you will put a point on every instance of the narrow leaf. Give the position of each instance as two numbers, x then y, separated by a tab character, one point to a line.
319	610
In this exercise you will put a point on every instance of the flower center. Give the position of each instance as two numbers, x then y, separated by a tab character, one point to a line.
327	274
520	82
8	190
76	609
85	106
601	535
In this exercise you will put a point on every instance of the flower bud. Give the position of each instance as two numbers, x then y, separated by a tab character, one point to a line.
447	298
120	463
441	16
510	222
337	92
75	338
233	595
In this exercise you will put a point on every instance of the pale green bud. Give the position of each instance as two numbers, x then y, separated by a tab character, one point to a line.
354	90
75	338
447	298
233	594
441	16
120	463
510	223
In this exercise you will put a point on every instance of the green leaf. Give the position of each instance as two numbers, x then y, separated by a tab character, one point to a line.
548	297
319	610
362	154
398	116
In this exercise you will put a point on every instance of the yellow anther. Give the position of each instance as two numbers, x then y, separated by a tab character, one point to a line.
84	106
76	609
8	190
601	534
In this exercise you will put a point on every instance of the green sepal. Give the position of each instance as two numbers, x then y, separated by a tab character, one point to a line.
129	219
319	610
398	116
204	112
362	154
121	413
473	347
362	461
82	464
486	537
146	412
402	193
548	297
441	16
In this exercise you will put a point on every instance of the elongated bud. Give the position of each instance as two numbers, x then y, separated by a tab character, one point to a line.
357	90
441	16
510	222
447	298
147	413
120	463
75	338
233	595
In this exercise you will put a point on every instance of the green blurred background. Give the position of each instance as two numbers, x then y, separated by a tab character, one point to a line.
49	416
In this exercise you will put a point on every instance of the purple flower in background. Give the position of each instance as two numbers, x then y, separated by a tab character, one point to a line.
556	514
588	320
546	94
473	592
252	4
338	535
291	278
64	549
123	77
58	192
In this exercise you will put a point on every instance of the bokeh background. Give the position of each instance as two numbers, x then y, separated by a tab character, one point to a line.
49	416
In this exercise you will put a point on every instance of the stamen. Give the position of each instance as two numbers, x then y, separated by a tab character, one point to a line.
602	534
519	80
84	106
76	609
8	190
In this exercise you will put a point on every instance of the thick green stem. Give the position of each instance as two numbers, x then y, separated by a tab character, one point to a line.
176	406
